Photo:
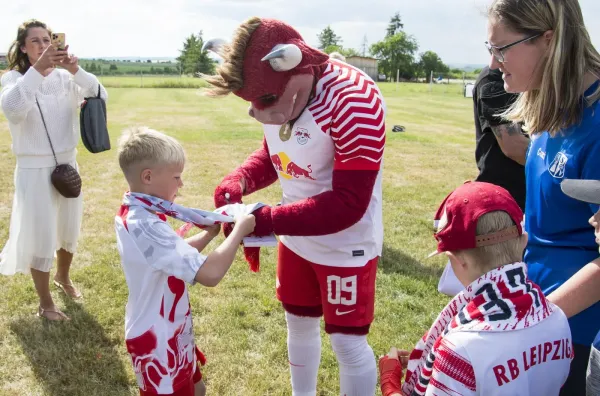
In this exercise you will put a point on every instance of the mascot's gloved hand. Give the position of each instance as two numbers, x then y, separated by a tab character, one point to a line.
264	221
264	227
229	192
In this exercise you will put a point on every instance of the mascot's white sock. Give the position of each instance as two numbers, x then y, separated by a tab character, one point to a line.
358	370
304	353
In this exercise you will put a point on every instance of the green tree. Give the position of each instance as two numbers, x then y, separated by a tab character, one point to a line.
395	25
328	38
396	53
113	67
431	62
192	59
344	51
93	67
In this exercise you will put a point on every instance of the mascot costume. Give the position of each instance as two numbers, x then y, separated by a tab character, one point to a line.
324	135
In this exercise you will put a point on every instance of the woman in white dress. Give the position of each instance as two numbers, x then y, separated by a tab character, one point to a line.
43	221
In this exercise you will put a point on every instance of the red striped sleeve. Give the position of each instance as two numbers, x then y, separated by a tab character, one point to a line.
351	108
453	370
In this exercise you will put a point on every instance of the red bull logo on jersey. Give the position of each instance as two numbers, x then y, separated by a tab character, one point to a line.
289	169
302	136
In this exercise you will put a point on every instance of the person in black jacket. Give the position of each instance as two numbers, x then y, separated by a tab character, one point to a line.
500	150
500	145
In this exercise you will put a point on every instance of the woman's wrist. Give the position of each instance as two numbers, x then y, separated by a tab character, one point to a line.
75	70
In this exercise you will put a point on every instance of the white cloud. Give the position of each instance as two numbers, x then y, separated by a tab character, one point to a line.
455	29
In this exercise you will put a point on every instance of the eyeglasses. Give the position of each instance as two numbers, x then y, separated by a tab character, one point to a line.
498	52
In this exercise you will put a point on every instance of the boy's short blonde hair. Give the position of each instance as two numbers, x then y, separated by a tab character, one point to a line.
499	254
142	148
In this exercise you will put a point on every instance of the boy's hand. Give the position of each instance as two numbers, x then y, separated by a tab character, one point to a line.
213	230
245	224
595	222
400	355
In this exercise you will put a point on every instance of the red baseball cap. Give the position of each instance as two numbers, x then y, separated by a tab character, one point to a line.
456	218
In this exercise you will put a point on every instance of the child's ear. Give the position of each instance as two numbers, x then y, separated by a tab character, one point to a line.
523	239
458	259
146	176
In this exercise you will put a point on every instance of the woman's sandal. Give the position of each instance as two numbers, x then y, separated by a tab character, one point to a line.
69	289
59	315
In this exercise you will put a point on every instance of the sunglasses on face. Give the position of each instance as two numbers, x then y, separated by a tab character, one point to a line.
498	52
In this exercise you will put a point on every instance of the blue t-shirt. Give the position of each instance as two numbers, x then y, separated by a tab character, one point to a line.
561	241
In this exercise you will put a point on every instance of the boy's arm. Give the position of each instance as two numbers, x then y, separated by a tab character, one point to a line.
580	291
166	251
218	262
202	239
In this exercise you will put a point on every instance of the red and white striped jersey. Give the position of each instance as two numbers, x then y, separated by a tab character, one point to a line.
342	128
531	361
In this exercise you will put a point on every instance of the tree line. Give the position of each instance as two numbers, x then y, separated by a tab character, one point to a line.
396	52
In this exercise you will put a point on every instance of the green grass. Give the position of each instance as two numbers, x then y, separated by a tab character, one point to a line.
239	324
151	82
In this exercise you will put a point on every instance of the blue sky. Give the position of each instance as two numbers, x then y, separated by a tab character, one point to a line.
455	29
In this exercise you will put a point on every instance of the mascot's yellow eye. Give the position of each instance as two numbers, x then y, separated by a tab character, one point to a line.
268	99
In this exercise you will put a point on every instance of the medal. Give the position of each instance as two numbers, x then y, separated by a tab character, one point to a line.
285	132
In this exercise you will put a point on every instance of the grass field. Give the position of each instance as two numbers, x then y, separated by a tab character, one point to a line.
151	82
239	324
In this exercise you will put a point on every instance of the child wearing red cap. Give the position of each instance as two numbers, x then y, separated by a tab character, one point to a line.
500	336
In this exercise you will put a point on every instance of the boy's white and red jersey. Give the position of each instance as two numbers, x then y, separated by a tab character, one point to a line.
527	362
342	128
158	324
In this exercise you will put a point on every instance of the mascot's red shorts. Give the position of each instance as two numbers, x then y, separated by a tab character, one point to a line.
345	296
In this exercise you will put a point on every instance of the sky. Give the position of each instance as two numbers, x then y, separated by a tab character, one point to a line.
454	29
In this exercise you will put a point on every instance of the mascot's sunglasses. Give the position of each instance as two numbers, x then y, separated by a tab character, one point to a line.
498	52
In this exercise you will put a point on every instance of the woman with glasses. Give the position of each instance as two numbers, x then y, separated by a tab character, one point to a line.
544	53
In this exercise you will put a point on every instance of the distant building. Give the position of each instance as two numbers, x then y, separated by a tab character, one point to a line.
366	64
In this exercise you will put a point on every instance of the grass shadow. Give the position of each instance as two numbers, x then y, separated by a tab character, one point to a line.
394	261
72	358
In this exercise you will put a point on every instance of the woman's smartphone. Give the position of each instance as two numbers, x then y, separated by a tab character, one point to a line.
58	40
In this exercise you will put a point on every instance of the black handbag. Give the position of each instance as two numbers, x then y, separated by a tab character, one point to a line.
92	124
64	178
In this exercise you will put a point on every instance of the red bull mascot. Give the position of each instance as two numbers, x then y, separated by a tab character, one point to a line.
324	135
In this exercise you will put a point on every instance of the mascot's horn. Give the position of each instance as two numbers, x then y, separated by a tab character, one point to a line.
214	45
284	57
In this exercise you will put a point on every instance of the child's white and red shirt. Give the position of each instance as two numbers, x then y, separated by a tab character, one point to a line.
158	322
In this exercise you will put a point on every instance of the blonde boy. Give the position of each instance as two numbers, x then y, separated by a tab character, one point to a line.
158	263
500	336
